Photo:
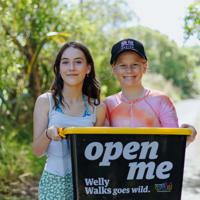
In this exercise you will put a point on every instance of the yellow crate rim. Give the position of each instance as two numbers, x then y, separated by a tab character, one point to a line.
120	130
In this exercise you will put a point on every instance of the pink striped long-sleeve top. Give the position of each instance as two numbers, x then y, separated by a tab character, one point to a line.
154	109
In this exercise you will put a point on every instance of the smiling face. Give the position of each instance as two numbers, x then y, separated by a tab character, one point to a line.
129	69
73	67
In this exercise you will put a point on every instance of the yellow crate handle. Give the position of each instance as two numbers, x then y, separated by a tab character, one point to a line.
63	132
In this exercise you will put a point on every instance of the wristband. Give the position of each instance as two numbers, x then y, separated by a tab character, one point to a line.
47	135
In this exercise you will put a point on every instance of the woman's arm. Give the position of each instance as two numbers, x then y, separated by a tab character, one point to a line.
100	115
42	135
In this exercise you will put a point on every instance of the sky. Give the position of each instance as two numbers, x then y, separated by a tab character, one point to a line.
166	16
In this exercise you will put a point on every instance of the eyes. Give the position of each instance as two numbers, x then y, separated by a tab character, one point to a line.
77	62
132	67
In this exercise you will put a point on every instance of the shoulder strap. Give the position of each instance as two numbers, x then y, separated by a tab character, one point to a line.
50	101
94	110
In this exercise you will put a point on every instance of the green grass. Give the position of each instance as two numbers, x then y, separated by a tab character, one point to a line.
19	168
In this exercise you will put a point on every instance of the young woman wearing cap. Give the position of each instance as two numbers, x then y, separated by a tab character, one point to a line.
135	105
74	100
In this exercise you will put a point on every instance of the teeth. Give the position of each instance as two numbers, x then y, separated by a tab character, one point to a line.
72	75
129	77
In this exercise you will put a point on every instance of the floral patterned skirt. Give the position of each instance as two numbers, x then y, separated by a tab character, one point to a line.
54	187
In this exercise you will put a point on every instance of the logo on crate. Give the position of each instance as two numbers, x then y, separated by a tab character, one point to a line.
164	187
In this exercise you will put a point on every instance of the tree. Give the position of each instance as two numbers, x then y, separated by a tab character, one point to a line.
28	51
192	20
27	25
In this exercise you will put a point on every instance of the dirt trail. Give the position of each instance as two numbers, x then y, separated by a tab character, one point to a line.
189	112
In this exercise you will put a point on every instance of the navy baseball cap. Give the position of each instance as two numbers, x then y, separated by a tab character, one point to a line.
127	45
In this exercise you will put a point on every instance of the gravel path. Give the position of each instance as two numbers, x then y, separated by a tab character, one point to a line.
189	112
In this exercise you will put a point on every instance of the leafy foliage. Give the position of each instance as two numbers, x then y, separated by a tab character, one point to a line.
192	20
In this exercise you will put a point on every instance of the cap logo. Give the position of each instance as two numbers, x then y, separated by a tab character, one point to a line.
128	44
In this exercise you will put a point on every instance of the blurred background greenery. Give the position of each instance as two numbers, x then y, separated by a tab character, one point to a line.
31	33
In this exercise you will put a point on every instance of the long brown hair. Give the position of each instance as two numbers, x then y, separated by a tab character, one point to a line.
91	86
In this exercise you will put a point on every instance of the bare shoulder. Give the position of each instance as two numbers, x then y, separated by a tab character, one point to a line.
42	101
101	107
100	114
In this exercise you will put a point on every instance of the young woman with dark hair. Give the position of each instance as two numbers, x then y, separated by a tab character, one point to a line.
74	100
